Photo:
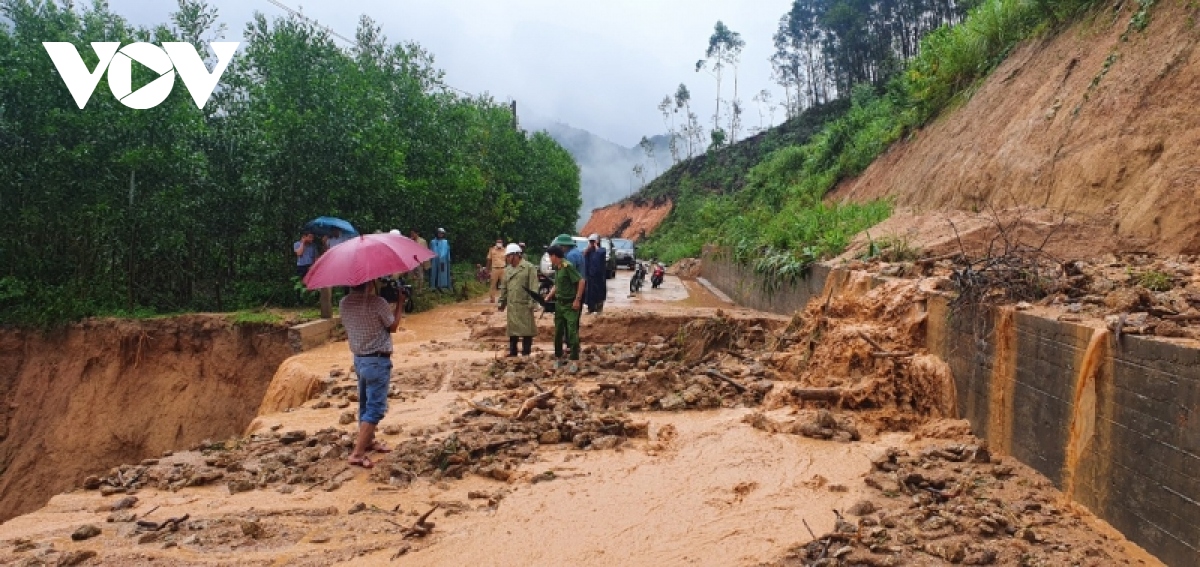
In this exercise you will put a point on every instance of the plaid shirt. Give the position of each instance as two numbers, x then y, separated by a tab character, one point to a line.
366	319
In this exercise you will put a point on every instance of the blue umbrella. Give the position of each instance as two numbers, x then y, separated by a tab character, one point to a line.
323	226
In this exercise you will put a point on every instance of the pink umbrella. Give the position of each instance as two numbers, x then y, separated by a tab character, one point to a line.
365	258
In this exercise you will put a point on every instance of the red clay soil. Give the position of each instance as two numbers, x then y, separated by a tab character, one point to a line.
627	219
1036	134
102	393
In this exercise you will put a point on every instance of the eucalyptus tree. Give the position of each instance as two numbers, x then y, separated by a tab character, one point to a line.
724	50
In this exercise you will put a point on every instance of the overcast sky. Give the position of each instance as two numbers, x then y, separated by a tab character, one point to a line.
599	65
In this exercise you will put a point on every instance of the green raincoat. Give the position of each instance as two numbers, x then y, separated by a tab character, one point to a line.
515	286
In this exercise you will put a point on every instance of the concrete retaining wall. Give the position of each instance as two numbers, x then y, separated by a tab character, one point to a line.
310	335
747	289
1115	426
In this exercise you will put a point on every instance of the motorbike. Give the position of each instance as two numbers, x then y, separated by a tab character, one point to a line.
656	278
544	284
638	279
393	290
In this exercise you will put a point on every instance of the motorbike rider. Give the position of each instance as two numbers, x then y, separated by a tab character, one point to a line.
656	278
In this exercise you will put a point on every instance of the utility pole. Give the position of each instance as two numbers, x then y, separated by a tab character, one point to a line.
514	111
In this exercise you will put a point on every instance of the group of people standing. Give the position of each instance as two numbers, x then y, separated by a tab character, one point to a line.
437	270
579	279
369	320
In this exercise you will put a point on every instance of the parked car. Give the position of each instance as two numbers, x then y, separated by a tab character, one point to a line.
624	252
547	269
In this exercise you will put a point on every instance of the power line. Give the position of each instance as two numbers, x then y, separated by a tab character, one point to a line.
317	24
311	21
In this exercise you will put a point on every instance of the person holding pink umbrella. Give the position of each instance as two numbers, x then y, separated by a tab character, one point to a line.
368	320
369	324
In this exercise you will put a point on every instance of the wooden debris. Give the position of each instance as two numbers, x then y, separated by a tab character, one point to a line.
740	388
820	394
878	347
526	407
421	528
489	410
532	403
172	523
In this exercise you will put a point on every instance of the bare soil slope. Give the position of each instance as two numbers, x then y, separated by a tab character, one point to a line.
1083	122
628	219
103	393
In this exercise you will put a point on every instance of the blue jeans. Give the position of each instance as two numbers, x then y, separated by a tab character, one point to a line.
374	380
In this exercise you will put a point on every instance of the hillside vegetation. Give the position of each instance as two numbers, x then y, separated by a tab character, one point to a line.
122	211
766	203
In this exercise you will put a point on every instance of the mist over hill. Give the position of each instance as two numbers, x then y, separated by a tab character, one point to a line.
606	168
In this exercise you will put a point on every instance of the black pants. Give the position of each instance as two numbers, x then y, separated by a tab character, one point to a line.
526	345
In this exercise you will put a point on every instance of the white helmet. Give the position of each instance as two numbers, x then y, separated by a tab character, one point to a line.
395	231
594	238
512	249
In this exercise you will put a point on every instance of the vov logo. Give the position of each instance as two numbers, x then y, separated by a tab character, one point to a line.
165	60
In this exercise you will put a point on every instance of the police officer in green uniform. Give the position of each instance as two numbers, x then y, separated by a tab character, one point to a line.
568	295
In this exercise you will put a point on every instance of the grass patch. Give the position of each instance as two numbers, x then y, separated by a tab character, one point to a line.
256	317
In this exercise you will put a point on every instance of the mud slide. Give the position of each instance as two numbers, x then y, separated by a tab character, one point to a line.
103	393
730	439
633	219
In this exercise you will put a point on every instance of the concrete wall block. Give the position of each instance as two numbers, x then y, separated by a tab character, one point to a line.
1144	529
1168	509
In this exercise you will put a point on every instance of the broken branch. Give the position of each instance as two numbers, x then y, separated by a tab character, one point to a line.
740	388
878	347
489	410
819	394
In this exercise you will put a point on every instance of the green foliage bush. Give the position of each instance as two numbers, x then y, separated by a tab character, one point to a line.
114	210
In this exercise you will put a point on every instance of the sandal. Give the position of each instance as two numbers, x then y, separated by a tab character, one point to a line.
364	462
379	447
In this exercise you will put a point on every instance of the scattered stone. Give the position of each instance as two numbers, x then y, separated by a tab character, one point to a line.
319	538
862	508
251	529
86	531
75	557
607	442
346	418
126	502
123	516
672	402
91	482
392	429
236	486
358	507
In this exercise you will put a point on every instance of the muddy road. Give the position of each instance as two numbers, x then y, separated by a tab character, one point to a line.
684	436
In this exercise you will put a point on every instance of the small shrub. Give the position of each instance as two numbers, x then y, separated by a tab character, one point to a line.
1154	280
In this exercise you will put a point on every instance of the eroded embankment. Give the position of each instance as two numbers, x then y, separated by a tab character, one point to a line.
101	393
1099	121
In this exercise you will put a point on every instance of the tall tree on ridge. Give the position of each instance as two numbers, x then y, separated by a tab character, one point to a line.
724	48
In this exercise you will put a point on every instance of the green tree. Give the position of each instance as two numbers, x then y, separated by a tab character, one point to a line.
724	50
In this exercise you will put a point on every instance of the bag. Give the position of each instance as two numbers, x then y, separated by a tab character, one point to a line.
548	306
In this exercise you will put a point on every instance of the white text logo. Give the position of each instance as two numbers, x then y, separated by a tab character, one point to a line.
165	60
